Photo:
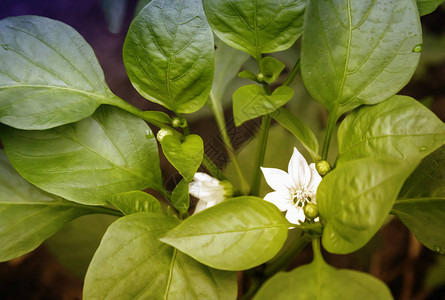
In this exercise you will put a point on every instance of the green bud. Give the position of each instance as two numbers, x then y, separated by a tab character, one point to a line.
311	210
322	167
162	133
228	188
179	122
260	77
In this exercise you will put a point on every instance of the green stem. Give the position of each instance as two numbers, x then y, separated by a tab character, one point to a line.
316	248
332	121
217	110
106	211
287	256
259	158
255	285
293	73
212	168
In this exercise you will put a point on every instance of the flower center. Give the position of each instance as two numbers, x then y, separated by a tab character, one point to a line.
302	196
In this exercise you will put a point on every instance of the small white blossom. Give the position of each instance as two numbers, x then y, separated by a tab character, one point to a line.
293	190
209	191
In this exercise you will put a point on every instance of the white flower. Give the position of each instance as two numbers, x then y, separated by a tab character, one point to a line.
209	191
293	190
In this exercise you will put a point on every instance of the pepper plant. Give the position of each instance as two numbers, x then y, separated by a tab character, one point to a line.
73	148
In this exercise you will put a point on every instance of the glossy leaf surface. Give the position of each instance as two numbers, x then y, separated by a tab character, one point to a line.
256	26
49	75
299	129
185	156
358	52
135	201
236	234
321	281
271	68
399	128
354	200
132	263
251	101
28	215
428	6
87	161
168	54
180	197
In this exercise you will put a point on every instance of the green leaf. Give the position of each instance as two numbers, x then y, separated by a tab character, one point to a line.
140	5
74	245
132	263
237	234
251	101
271	68
248	74
435	276
87	161
355	198
425	218
180	197
422	202
185	156
49	75
358	52
168	54
299	129
157	116
399	128
256	26
428	180
28	215
321	281
135	201
428	6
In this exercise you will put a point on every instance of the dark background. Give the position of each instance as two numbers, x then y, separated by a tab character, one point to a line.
393	255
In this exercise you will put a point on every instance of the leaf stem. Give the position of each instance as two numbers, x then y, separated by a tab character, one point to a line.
259	157
216	107
212	168
106	211
332	121
316	248
287	256
293	73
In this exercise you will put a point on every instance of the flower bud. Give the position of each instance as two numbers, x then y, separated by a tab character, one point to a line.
310	210
179	122
322	167
260	77
162	133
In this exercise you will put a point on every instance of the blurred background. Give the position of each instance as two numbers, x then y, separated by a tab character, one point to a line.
56	269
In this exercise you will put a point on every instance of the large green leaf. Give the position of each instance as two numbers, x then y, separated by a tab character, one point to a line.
256	26
251	101
321	281
422	202
399	128
28	215
358	52
87	161
180	197
185	156
355	198
49	75
131	263
299	129
428	6
135	201
74	245
236	234
168	54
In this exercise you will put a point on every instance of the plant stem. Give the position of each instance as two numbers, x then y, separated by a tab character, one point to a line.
259	158
212	168
217	110
332	121
293	73
287	256
107	211
316	248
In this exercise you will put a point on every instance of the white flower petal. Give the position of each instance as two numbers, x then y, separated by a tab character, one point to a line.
277	179
200	206
194	189
299	170
205	179
315	179
280	199
295	214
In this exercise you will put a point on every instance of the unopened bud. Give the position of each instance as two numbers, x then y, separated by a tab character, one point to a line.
163	132
179	122
310	210
260	77
322	167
